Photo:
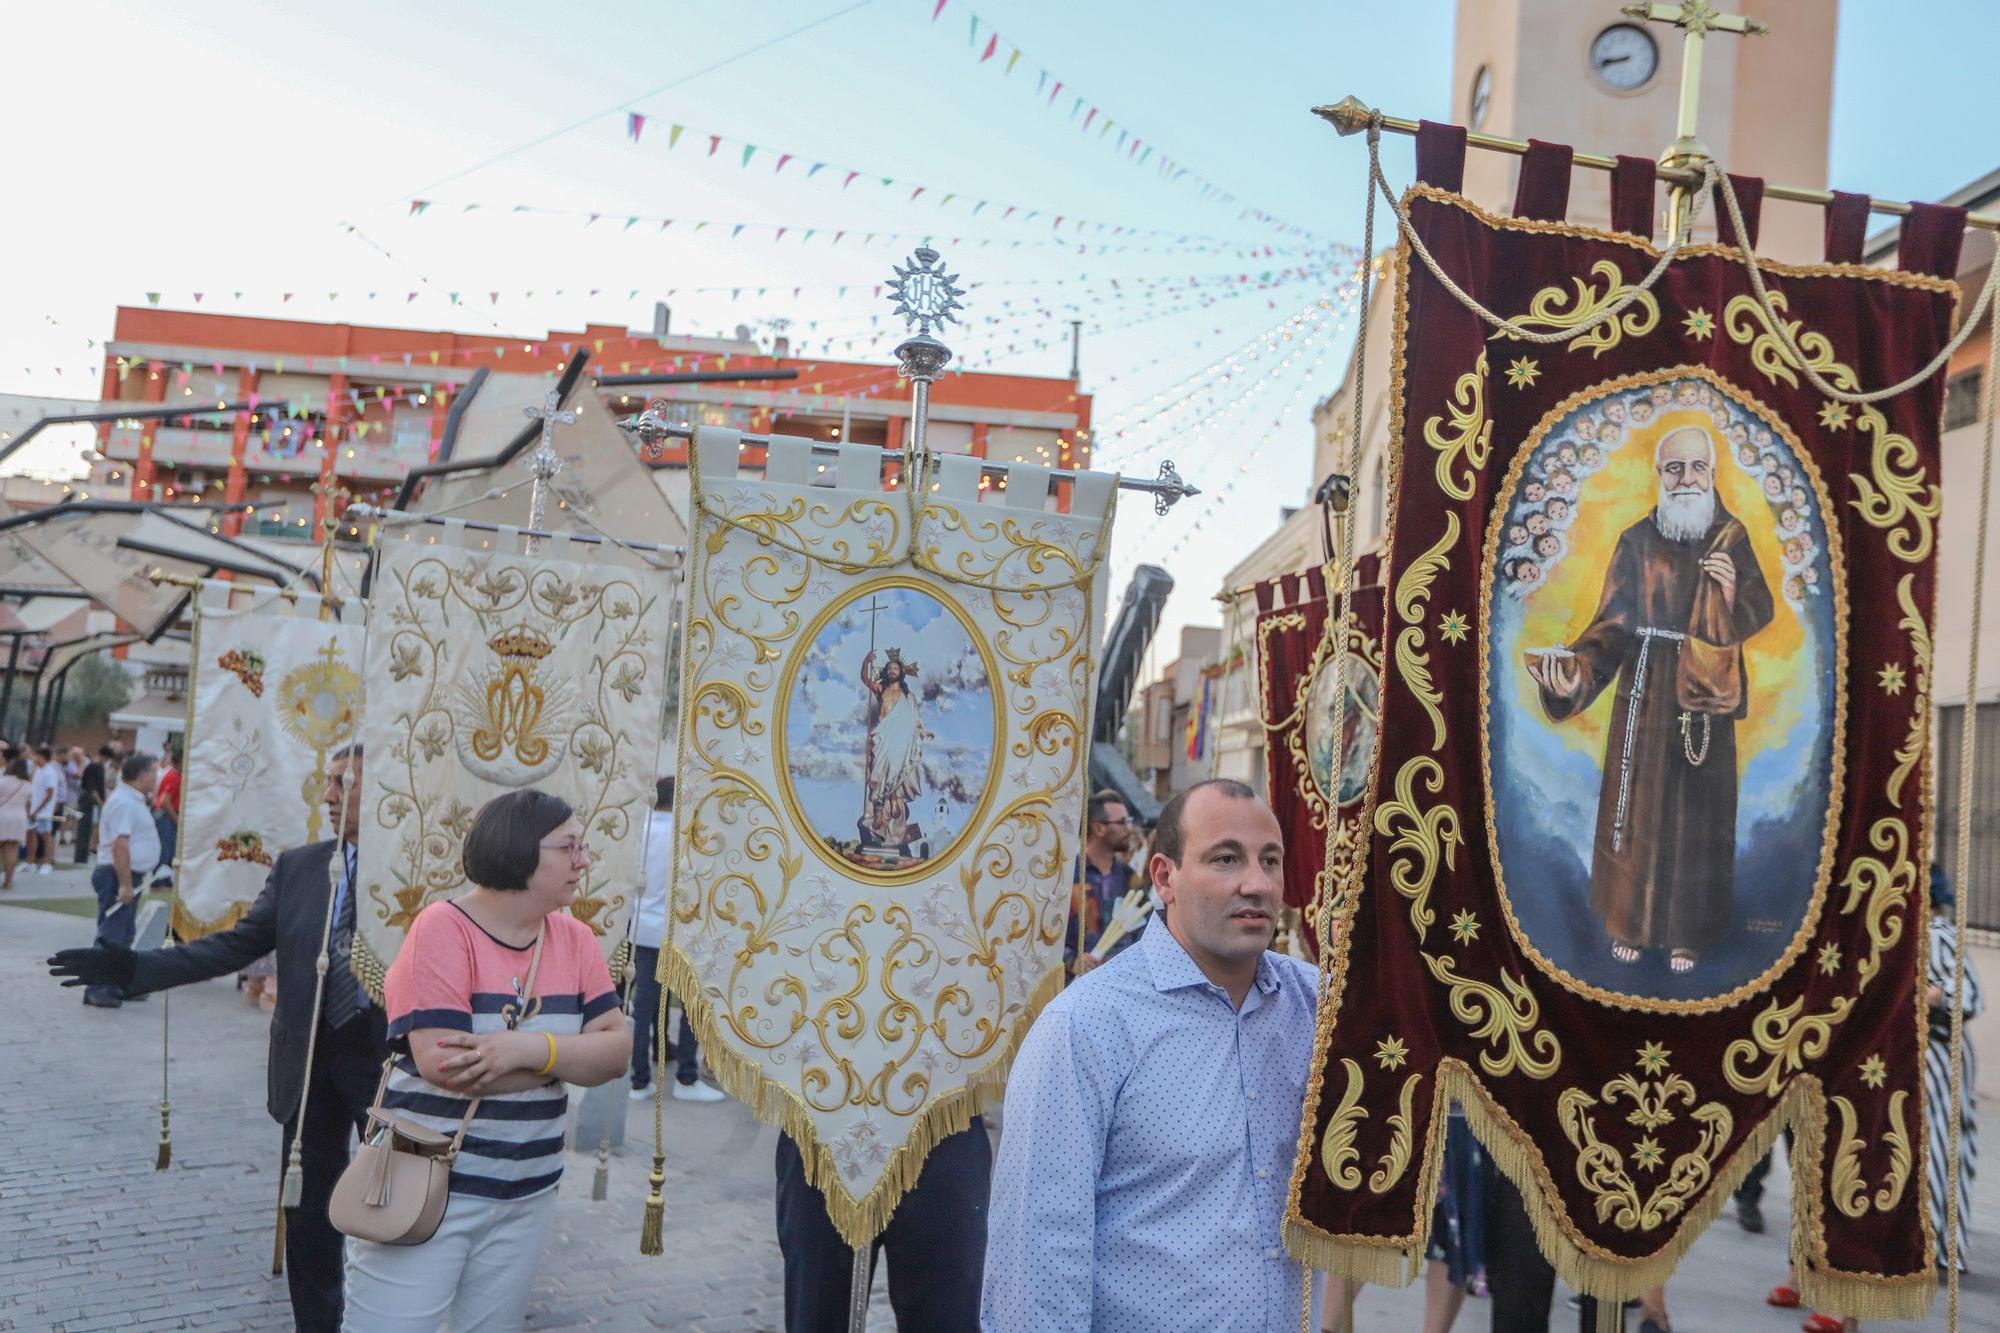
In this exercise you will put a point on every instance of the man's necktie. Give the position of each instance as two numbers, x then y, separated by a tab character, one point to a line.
343	993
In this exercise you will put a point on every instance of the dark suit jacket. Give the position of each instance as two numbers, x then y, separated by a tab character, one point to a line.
290	917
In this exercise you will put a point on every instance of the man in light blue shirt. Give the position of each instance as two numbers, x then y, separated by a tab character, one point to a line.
1153	1112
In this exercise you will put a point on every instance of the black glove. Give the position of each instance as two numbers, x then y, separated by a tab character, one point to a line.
100	965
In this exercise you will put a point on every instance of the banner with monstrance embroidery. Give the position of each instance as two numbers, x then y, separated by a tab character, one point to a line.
274	692
1317	796
1643	883
491	670
885	720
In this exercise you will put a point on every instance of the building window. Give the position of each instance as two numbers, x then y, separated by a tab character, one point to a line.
1961	398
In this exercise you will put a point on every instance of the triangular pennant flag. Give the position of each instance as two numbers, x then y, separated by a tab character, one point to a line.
817	167
782	159
850	179
714	142
1054	93
913	194
737	230
197	301
1013	60
630	223
748	150
152	298
418	205
781	234
992	45
634	124
674	133
939	10
972	33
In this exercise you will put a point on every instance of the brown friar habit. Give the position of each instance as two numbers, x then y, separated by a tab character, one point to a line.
1662	876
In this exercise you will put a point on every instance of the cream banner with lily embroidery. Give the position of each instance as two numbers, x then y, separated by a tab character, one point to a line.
275	691
885	722
488	671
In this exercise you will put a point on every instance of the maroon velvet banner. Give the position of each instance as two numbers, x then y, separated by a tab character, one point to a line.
1295	629
1644	879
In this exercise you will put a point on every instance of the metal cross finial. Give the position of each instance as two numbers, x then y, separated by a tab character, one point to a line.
544	463
1696	19
926	295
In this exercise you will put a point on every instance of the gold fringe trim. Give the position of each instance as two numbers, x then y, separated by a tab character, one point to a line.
1595	1271
858	1221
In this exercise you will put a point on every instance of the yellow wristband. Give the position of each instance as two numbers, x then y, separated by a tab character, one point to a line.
550	1067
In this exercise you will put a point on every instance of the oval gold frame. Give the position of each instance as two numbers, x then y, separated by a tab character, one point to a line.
1830	832
783	769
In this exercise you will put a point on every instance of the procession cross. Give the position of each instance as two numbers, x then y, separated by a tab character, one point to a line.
545	464
1696	19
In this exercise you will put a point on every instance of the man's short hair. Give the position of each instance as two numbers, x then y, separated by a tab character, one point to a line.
105	751
352	750
504	845
135	766
45	750
663	794
1100	804
1168	839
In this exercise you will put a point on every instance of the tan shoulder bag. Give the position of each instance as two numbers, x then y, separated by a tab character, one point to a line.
395	1190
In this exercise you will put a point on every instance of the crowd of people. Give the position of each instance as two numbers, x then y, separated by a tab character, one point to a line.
1150	1121
52	796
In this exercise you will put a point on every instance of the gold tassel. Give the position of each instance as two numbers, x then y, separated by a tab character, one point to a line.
288	1197
600	1186
650	1240
165	1157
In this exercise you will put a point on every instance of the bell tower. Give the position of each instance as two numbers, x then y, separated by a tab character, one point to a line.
1581	72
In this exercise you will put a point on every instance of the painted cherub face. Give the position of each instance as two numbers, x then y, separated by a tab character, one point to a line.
1558	509
1537	524
1642	411
1593	457
1614	411
1795	588
1562	483
1566	455
1611	434
1586	428
1548	546
1527	572
1663	394
1761	437
1535	492
1773	488
1788	519
1689	394
1517	535
1747	457
1799	499
1739	435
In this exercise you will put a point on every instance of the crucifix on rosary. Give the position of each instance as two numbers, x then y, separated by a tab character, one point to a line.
544	464
1696	19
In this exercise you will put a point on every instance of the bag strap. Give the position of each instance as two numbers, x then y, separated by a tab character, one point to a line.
527	996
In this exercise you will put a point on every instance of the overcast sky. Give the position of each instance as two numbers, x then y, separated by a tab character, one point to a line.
226	147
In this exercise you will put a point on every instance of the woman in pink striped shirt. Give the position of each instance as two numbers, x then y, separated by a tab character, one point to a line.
465	1023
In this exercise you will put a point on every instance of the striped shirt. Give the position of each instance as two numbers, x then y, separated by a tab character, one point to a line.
451	974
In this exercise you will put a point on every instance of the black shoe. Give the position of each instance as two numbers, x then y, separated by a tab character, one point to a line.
96	1003
1750	1217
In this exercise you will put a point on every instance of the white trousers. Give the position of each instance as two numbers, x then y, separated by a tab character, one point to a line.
473	1276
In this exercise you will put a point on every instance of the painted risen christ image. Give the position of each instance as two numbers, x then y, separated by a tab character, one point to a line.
1683	593
893	765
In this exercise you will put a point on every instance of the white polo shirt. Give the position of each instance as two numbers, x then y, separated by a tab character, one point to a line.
126	816
47	791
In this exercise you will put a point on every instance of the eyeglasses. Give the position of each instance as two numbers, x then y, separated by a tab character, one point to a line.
575	850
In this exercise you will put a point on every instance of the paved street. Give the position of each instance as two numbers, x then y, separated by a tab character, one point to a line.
91	1237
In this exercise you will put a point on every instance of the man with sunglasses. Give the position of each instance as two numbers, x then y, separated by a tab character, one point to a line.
1103	877
290	917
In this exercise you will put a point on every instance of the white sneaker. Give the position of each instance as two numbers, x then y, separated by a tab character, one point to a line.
697	1092
641	1094
44	870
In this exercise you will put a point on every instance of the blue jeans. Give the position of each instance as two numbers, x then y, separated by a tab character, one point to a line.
169	829
646	1013
115	924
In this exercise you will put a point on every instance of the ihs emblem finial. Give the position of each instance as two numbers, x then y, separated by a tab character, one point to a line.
926	296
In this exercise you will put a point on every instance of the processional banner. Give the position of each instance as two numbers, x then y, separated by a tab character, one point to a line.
274	691
885	721
1643	882
490	670
1316	796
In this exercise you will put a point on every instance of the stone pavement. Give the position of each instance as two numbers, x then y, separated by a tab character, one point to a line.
92	1237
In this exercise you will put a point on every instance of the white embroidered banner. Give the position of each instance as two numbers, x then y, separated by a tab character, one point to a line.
274	691
488	671
882	776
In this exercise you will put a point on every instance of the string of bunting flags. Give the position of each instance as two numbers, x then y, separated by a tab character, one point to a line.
743	152
1086	114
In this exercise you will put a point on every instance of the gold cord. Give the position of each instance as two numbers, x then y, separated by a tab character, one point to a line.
1968	740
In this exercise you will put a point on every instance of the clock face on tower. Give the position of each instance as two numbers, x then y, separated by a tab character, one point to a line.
1482	97
1624	57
